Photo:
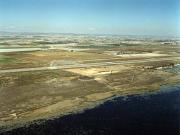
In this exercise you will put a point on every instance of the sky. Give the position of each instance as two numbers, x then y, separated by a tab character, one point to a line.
123	17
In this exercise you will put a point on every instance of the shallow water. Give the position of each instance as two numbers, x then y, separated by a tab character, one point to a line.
175	69
153	114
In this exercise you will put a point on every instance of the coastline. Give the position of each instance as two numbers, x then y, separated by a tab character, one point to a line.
165	89
111	103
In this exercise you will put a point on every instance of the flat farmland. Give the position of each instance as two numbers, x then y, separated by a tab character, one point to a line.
68	74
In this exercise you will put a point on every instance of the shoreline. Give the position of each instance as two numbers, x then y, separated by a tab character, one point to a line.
46	123
164	89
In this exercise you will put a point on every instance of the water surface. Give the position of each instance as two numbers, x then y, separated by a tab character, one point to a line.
153	114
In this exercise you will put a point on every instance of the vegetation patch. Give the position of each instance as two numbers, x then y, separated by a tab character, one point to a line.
6	59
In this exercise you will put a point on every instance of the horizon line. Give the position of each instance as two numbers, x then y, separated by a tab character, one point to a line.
71	33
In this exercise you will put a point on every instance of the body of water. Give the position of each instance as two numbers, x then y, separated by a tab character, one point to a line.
175	69
152	114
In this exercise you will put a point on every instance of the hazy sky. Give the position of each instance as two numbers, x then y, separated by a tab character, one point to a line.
127	17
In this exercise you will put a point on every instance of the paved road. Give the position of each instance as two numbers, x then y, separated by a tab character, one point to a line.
79	65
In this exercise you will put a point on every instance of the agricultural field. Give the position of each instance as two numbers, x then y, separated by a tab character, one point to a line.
44	76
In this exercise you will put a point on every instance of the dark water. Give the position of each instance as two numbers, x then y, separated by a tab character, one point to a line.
157	114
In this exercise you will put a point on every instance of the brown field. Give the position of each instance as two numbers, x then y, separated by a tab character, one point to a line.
53	82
